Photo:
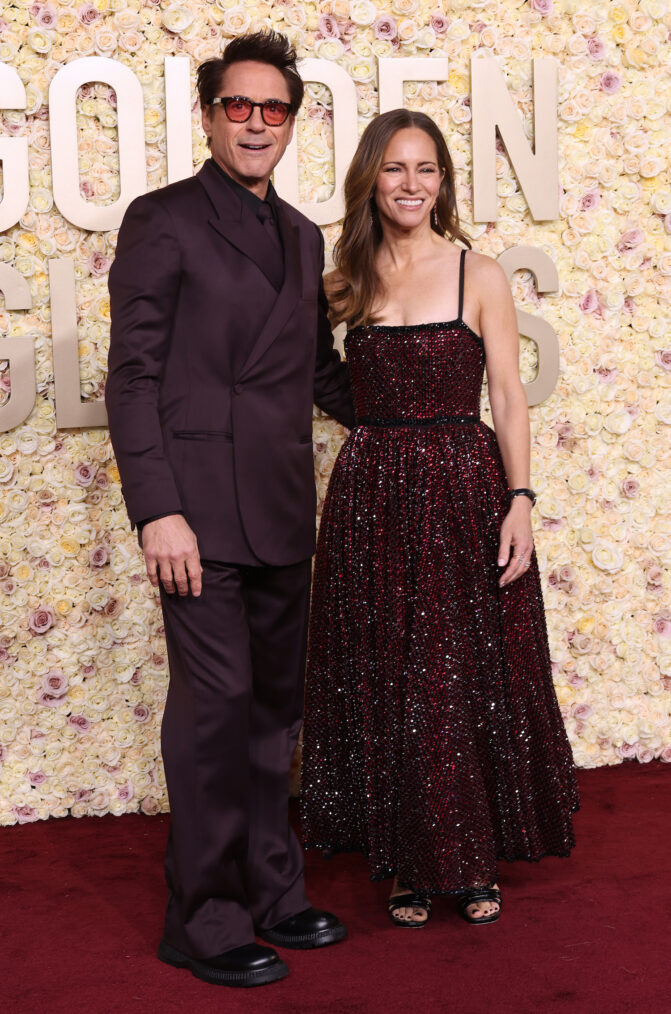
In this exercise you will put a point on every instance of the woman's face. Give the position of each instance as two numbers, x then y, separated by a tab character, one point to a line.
409	179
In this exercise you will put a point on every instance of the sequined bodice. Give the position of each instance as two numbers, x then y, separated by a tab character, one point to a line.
418	371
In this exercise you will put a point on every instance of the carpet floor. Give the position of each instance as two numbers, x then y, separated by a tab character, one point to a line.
81	908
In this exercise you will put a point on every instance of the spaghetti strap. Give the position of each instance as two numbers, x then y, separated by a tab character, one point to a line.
462	263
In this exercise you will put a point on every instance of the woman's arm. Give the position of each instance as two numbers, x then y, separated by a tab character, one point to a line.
498	327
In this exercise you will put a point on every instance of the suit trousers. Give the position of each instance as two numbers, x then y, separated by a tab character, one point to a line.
231	722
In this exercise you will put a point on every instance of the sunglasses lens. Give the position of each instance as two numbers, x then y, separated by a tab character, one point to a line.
238	110
275	113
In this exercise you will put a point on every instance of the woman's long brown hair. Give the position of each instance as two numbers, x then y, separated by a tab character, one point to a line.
353	293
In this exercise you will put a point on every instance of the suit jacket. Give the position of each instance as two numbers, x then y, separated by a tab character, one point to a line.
213	372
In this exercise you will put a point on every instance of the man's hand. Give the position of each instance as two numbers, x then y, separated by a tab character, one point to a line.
171	553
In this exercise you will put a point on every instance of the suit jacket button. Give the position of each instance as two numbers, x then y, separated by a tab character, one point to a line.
238	389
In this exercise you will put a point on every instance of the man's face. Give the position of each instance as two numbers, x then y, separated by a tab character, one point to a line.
249	151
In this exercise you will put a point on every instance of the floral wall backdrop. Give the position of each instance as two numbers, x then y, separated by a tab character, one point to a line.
83	668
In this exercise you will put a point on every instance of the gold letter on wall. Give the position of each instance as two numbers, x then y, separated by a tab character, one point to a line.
19	352
71	411
178	117
493	109
64	156
13	155
518	258
394	71
343	90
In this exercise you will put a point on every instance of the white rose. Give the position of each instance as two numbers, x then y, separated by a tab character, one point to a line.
362	12
236	21
177	19
607	556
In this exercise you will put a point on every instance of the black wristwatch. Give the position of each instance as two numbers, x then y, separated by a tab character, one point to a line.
512	493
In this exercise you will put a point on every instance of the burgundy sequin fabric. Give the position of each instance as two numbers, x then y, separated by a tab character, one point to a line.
433	741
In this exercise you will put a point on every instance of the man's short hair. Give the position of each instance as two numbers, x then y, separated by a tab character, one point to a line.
263	47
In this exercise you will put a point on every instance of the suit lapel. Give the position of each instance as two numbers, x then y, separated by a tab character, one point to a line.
235	222
288	294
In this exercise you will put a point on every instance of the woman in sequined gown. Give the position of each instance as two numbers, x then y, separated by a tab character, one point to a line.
433	741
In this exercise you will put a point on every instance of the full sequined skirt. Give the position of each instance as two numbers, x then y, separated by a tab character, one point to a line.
433	742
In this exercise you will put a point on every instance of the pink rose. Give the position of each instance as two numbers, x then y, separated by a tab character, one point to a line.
86	189
88	14
41	619
662	627
596	50
630	488
610	82
98	556
36	777
84	474
590	301
589	200
385	28
46	17
553	579
629	305
627	750
80	723
82	795
46	700
543	7
141	713
136	678
644	754
328	27
88	670
581	712
574	679
665	755
663	358
149	805
102	480
552	524
26	814
630	239
567	573
55	683
439	23
8	586
606	374
113	608
655	575
126	792
99	264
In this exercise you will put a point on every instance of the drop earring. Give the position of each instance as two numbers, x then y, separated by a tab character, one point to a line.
434	217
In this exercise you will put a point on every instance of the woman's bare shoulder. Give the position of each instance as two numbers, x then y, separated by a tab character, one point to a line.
483	272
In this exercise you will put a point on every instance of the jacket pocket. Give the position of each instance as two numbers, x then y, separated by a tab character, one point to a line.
225	435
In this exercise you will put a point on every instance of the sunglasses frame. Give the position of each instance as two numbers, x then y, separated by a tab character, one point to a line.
221	100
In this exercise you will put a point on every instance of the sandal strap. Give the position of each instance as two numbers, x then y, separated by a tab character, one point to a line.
410	900
476	895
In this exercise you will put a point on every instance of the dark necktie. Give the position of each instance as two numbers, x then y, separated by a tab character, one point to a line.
267	220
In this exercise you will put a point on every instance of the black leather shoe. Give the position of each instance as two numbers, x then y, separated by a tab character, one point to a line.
310	928
249	965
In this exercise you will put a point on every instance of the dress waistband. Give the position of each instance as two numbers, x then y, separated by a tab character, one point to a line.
438	420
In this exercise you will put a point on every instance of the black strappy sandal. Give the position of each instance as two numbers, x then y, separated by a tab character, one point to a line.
474	897
411	900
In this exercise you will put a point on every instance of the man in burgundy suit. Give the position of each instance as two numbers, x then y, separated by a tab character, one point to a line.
220	344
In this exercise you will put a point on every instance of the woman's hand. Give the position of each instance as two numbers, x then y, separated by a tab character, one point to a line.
516	543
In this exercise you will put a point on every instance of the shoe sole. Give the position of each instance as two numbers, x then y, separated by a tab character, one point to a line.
241	980
306	941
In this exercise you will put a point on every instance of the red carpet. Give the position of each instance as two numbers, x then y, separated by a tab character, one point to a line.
82	905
